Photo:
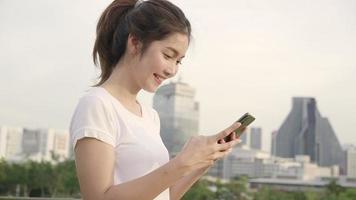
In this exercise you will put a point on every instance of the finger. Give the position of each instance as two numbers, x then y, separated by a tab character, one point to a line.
233	136
225	146
221	141
228	145
221	154
237	141
226	132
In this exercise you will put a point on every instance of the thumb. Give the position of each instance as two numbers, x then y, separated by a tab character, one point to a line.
226	132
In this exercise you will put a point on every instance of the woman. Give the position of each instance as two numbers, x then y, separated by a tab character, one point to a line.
119	153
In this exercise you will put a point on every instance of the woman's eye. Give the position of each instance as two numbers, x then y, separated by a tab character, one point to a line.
178	62
167	56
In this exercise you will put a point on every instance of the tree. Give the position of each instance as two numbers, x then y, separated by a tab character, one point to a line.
67	182
349	194
333	190
3	177
238	187
199	191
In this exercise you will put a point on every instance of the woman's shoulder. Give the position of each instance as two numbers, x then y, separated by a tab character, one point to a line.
94	96
93	118
95	93
93	99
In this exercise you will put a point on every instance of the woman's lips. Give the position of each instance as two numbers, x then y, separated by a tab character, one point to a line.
158	79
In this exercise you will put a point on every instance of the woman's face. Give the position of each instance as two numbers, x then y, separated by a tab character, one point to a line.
160	61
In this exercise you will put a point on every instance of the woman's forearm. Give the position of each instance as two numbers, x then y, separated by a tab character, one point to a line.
148	186
183	184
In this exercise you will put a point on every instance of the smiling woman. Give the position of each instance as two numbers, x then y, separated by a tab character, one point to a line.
119	153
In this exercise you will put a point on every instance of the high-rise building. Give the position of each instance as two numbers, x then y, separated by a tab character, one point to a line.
45	144
61	143
10	141
351	161
34	141
256	138
243	138
306	132
273	142
179	114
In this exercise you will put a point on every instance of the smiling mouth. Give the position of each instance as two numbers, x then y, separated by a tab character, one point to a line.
158	78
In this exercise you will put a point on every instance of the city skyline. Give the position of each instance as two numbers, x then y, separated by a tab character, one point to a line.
250	56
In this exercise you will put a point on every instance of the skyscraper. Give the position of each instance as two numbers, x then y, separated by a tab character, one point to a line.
10	141
256	138
306	132
243	138
38	144
351	161
273	142
179	114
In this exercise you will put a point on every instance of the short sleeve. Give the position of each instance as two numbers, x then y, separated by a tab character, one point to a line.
93	118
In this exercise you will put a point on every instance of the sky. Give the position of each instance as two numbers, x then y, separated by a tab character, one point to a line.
246	56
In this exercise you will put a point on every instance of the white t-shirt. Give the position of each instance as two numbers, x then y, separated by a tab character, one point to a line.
136	140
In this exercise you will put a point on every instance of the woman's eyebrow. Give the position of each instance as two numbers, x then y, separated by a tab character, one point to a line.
174	51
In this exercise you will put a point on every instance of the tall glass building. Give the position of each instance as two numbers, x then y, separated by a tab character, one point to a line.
256	138
179	114
306	132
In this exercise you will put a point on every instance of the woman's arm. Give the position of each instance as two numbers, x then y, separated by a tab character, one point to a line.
95	168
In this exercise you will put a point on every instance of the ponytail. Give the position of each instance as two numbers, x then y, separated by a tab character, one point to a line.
112	20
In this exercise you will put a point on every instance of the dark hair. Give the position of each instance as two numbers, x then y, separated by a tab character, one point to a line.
146	20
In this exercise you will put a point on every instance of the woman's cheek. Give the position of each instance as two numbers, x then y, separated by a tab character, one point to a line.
162	62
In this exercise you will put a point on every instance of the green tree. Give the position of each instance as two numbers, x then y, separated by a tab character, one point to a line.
349	194
66	182
40	179
333	191
199	191
15	177
266	193
311	195
238	187
3	176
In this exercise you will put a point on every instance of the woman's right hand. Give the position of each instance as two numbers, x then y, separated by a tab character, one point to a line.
201	151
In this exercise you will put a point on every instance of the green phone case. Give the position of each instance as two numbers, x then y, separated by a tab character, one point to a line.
245	120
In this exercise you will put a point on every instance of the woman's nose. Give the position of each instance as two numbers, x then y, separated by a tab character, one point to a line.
170	72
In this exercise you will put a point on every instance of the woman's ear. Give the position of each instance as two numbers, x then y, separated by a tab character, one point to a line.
134	45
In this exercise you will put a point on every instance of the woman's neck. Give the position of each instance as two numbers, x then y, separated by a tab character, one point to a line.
121	85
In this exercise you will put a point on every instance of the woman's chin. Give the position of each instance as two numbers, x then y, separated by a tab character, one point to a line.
151	89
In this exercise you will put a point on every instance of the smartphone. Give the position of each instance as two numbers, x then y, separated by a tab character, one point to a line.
245	120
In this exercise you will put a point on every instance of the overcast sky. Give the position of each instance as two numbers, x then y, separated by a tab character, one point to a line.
246	56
